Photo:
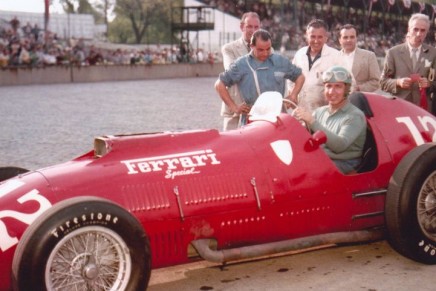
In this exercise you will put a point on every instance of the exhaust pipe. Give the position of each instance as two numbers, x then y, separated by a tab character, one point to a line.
227	255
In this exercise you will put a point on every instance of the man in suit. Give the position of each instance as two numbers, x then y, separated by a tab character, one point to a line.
314	59
404	77
361	63
250	22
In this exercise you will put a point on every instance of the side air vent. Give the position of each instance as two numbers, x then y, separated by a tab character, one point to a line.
146	197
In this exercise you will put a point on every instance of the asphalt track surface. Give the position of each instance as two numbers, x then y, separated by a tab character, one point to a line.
44	125
47	124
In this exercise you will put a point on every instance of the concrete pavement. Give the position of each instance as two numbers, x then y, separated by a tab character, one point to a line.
366	267
43	125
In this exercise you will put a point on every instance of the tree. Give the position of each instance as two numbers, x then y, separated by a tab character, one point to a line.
144	13
120	31
81	7
105	7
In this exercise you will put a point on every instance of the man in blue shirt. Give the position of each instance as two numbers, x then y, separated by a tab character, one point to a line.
257	72
250	22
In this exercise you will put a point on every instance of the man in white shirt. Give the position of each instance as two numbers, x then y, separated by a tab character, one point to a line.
314	59
361	63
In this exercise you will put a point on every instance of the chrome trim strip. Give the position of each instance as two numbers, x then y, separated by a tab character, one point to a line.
253	182
176	192
370	193
367	215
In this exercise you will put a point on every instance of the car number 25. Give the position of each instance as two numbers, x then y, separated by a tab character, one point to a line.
6	240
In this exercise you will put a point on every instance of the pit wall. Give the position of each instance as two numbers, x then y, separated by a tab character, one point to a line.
103	73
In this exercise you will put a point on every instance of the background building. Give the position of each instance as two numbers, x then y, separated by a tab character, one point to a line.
225	30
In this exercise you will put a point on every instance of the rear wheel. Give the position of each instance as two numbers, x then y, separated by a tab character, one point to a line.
411	205
84	243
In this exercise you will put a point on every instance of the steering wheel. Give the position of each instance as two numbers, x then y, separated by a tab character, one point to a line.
291	109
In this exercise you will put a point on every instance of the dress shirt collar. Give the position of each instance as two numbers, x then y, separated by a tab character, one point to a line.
411	48
348	54
348	59
247	45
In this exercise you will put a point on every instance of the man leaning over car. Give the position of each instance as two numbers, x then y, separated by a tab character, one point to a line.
257	72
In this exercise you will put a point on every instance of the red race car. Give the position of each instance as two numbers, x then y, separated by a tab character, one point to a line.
135	202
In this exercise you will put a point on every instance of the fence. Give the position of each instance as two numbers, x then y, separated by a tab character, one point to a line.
102	73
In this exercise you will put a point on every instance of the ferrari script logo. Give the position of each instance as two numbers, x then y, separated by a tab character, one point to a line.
173	165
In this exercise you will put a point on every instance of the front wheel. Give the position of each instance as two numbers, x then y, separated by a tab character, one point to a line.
84	243
411	205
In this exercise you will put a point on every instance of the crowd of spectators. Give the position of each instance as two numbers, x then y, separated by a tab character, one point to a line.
376	33
30	46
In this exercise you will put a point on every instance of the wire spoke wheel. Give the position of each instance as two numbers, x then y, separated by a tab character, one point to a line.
426	207
91	258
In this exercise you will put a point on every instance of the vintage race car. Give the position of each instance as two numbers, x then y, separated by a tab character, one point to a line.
136	202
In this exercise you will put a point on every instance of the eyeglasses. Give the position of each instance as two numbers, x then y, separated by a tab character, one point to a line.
339	76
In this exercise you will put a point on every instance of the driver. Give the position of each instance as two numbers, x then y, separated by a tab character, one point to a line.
342	122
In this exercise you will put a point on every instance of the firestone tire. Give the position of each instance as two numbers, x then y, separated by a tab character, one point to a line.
84	243
411	206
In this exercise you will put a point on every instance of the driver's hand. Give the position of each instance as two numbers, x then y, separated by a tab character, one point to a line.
302	114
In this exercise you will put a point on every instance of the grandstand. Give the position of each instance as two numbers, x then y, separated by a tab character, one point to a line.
381	23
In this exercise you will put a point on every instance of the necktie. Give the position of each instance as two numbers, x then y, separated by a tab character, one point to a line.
248	47
414	58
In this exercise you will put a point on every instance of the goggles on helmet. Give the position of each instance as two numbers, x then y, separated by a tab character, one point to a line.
336	76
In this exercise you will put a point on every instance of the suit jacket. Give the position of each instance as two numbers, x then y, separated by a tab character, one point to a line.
366	70
231	52
398	64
